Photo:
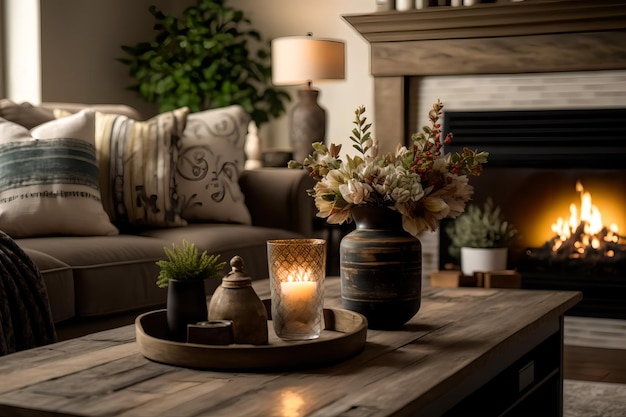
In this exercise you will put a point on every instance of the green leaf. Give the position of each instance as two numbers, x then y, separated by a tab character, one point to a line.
187	263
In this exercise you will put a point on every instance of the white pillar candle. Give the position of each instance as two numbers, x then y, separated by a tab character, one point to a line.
299	300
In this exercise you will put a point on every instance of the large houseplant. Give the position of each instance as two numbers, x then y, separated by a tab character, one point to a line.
183	273
207	58
480	238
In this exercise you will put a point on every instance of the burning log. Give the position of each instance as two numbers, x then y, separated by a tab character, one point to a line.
568	247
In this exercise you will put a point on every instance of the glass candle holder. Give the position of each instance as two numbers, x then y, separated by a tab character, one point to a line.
297	269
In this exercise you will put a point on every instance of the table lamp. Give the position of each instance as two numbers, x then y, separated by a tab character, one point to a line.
301	60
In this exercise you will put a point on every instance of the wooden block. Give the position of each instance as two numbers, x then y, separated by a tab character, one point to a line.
502	279
453	278
480	278
214	332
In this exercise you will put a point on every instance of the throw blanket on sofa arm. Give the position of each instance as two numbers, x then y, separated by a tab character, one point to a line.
25	317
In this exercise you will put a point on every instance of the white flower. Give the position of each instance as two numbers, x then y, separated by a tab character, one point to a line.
456	194
403	185
355	192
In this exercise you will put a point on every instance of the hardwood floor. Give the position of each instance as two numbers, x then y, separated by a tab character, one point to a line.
594	364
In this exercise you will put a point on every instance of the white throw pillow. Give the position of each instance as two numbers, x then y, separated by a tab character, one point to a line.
137	162
49	179
210	163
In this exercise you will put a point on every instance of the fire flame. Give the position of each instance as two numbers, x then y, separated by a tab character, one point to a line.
585	225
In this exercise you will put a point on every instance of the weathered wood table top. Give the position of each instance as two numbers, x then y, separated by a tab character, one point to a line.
460	339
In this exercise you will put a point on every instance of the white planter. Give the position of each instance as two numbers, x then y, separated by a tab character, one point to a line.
483	259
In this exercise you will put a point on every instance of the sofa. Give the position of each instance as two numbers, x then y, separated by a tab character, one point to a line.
96	245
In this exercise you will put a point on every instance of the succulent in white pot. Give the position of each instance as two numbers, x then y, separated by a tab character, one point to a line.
480	237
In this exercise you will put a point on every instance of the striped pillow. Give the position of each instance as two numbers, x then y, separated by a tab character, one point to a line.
49	179
137	161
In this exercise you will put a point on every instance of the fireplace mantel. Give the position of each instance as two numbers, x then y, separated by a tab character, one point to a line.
533	36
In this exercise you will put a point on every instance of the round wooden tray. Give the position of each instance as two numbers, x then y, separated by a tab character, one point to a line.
343	337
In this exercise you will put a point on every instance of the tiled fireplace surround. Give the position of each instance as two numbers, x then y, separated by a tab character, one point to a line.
532	55
571	90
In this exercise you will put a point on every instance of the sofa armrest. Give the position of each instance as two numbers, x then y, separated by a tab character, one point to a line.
276	197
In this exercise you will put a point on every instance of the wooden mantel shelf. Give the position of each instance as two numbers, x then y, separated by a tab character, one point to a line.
532	36
492	20
512	37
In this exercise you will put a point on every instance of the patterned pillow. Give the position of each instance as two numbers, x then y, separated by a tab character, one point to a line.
49	179
137	162
210	162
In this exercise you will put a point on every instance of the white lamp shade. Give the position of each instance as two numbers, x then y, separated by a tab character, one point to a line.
302	59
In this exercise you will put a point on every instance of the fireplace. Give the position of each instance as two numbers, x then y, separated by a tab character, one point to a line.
541	165
438	48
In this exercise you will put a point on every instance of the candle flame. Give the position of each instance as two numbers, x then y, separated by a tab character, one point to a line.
299	275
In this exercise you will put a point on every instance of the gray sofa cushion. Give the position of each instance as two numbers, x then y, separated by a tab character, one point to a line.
59	283
111	273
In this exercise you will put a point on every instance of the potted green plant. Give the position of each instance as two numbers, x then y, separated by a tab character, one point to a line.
183	273
480	237
207	58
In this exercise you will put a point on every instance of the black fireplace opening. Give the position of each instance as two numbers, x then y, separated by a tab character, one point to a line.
547	165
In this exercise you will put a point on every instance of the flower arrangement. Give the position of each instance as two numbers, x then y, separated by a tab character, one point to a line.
420	182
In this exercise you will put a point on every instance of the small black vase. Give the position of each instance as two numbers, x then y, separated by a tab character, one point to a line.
381	268
186	304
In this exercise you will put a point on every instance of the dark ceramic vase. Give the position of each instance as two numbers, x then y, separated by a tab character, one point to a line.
381	268
186	304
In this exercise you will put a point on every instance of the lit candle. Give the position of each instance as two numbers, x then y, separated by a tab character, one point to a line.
297	269
299	308
299	300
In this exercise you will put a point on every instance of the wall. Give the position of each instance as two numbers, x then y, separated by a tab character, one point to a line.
276	18
80	42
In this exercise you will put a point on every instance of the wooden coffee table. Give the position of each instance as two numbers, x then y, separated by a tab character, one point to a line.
468	350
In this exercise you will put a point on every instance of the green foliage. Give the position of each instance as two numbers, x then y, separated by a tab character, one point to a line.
204	60
480	228
361	135
187	263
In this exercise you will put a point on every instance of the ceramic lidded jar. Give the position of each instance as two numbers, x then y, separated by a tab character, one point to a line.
236	300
